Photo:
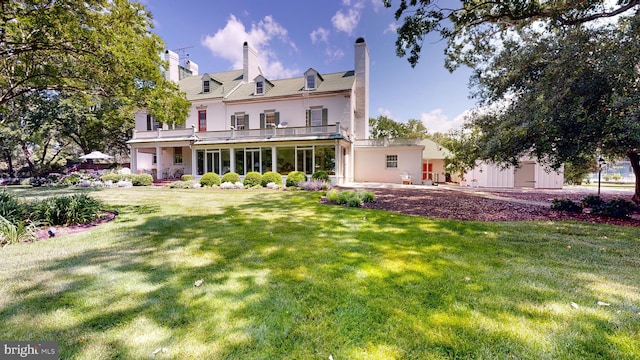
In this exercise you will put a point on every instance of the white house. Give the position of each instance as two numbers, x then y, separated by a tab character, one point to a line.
242	121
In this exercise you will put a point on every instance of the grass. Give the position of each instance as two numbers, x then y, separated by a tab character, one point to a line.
288	278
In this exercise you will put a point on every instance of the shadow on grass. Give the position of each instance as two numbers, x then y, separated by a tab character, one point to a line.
285	277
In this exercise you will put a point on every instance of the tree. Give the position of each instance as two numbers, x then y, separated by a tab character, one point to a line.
556	88
385	127
96	47
464	146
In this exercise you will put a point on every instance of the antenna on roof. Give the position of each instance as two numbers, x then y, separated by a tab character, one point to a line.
183	54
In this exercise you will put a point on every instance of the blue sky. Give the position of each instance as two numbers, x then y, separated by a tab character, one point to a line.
293	35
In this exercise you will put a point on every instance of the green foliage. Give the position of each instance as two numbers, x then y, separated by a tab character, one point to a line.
574	174
271	177
210	179
186	177
591	201
344	196
230	177
183	184
321	175
354	201
11	208
16	232
142	180
385	127
295	177
253	178
66	210
616	208
366	196
332	195
565	205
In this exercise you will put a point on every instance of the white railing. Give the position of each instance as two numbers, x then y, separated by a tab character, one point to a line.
387	142
160	133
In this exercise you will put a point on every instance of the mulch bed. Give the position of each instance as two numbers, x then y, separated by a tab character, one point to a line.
72	229
468	205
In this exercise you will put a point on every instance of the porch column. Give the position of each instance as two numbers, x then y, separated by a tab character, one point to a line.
134	160
337	155
159	163
274	159
232	159
194	162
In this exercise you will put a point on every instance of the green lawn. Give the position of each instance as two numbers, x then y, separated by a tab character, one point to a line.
288	278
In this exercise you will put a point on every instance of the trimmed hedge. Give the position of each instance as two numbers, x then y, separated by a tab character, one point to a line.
253	178
271	177
295	177
186	177
321	175
210	179
136	179
231	177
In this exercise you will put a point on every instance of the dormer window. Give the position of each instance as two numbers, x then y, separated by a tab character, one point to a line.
206	86
259	87
311	81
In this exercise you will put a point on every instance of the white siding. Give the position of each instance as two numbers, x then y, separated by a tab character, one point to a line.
370	164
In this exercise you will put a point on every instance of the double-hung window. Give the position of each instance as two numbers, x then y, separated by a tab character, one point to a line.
202	120
259	87
206	86
152	123
311	81
240	121
177	155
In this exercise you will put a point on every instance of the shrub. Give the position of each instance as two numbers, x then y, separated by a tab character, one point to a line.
314	185
591	201
332	195
10	207
252	179
565	205
616	208
271	177
210	179
354	201
231	177
295	177
321	175
344	196
186	184
11	233
186	177
142	180
66	210
367	196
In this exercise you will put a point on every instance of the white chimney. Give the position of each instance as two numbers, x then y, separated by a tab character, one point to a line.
191	66
172	73
250	64
362	89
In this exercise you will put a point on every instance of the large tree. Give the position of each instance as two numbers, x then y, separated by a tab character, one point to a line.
555	86
383	126
95	47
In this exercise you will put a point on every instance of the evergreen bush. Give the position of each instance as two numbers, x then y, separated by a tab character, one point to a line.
295	177
210	179
565	205
186	177
616	208
253	178
231	177
271	177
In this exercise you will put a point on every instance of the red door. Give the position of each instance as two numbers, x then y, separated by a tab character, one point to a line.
427	172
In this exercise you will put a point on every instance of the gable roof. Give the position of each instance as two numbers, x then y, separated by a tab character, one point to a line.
232	88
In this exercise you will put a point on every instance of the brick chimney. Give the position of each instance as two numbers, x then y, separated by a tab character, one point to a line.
249	64
362	89
172	73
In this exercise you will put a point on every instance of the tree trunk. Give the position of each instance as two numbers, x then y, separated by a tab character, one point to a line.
634	157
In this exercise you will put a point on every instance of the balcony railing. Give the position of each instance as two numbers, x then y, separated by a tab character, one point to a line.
226	135
163	134
387	142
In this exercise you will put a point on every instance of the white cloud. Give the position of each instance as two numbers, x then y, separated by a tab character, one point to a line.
437	121
392	28
334	54
227	44
320	35
385	112
346	21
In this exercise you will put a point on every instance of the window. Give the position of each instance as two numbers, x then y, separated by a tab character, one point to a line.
240	121
269	119
202	120
325	159
177	155
152	124
317	116
311	81
206	86
259	87
392	161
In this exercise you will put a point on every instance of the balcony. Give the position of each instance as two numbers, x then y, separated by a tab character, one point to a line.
250	135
